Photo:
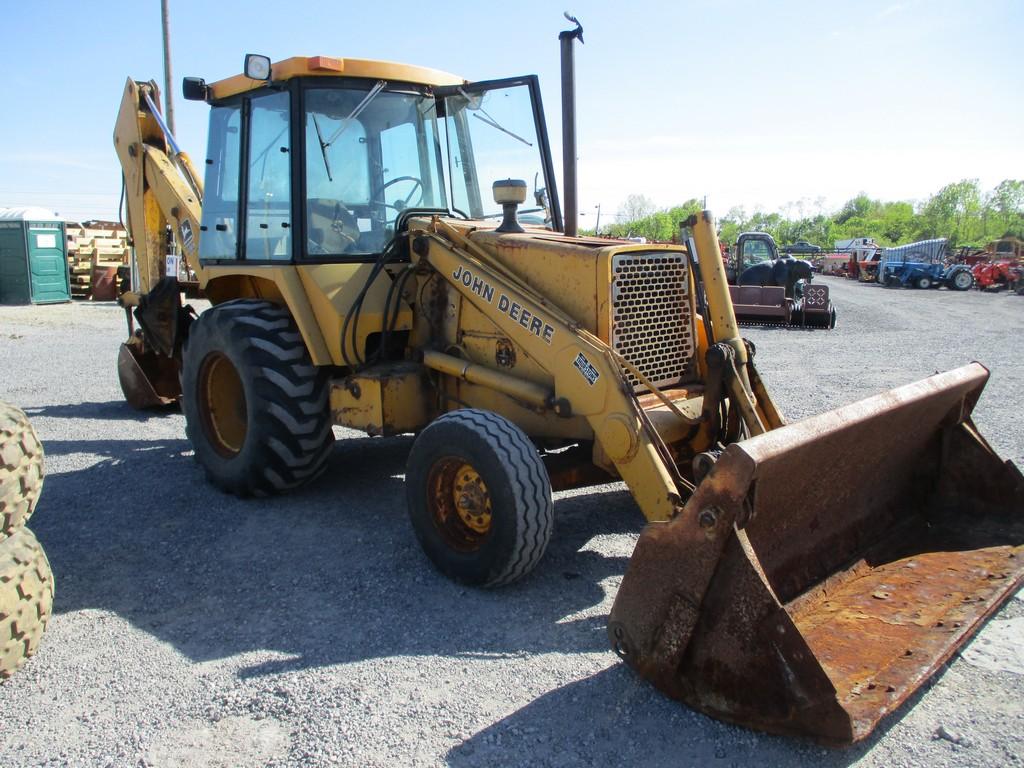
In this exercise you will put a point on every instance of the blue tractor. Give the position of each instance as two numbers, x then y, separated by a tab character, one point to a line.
921	265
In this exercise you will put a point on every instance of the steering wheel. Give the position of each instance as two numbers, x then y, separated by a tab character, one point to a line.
332	227
401	205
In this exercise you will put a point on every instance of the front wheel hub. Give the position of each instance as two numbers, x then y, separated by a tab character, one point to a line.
460	503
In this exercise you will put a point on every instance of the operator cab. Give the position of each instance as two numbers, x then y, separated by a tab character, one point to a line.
317	159
756	251
751	248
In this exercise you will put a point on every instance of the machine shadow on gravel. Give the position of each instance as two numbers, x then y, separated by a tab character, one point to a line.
109	411
329	574
619	720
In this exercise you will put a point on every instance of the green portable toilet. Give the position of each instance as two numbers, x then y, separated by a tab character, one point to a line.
33	257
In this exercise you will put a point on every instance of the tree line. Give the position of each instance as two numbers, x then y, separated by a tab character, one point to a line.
961	212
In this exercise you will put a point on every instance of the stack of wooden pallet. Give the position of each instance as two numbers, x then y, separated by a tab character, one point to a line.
93	256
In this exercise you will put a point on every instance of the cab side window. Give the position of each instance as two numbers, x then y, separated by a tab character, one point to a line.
218	237
268	196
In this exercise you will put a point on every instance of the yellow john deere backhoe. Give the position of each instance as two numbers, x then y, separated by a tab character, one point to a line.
360	238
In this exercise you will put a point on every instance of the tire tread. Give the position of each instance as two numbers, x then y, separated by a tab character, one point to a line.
26	599
292	394
21	469
528	479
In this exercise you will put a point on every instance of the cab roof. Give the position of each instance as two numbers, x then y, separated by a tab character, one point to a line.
327	66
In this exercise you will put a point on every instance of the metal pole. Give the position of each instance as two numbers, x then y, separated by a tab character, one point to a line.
168	77
566	38
597	225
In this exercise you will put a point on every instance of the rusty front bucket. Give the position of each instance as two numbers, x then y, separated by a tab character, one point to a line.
824	570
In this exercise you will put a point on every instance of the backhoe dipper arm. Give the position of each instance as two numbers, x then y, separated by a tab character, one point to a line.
161	186
161	189
584	369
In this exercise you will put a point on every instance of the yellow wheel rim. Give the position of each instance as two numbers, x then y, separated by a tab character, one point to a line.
460	503
222	405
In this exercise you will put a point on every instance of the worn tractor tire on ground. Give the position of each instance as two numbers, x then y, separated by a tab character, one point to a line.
26	599
255	406
479	498
21	469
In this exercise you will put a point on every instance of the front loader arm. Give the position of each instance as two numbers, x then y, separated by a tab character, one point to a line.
757	409
161	186
585	372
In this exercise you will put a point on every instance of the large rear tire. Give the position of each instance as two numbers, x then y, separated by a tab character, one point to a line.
21	469
26	599
961	280
255	406
479	498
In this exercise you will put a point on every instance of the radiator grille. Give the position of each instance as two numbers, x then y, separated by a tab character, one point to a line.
652	322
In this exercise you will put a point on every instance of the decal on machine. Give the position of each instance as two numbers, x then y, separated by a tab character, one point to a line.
528	319
187	238
584	366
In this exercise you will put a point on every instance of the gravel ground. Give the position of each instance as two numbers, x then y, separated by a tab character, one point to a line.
194	629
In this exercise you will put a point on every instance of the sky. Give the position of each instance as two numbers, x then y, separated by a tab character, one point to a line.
787	106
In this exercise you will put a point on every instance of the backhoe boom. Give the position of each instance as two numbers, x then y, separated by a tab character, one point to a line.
162	193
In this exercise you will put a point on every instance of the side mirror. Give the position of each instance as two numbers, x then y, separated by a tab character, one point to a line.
194	89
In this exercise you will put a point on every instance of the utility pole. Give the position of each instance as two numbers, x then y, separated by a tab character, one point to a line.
597	225
168	77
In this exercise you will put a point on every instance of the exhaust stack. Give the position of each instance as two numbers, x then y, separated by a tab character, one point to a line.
571	226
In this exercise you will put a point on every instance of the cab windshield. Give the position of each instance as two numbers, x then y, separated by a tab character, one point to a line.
755	251
492	134
370	154
375	150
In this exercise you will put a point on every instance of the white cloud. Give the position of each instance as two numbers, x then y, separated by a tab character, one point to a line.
56	160
890	10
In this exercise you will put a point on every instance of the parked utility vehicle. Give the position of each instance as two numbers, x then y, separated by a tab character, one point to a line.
357	235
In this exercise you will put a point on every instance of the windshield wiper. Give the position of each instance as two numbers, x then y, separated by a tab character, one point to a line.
357	111
490	120
345	123
323	147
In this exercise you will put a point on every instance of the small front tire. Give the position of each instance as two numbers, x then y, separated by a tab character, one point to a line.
479	498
